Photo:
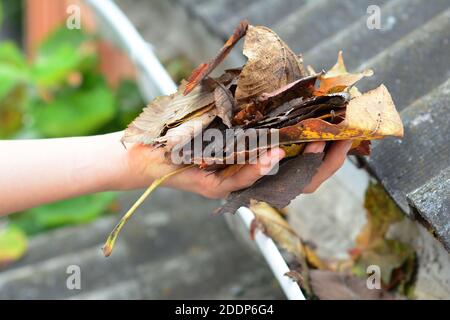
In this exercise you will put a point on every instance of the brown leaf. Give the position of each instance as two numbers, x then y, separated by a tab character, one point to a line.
206	68
328	285
360	148
374	113
302	88
369	116
225	103
296	110
278	190
270	66
182	134
338	79
277	228
296	276
163	111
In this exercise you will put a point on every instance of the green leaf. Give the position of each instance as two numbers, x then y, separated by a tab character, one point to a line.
75	111
64	52
13	244
129	102
11	111
63	36
1	14
67	212
13	68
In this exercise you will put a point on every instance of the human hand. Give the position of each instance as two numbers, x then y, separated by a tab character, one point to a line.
145	164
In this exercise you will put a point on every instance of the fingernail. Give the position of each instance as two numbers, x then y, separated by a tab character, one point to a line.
349	145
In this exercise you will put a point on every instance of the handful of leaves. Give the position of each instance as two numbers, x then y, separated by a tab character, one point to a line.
273	92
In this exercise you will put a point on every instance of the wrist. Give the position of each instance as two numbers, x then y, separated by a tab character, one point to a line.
115	164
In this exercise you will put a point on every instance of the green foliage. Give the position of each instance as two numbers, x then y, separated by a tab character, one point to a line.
77	111
13	68
397	260
72	211
63	53
1	14
13	244
60	93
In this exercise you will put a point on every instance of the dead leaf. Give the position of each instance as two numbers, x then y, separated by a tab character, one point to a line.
163	111
395	259
277	228
225	103
206	68
338	79
328	285
267	101
374	113
182	134
370	116
270	66
296	276
360	148
278	190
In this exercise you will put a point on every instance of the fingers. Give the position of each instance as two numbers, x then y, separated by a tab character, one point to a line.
333	160
315	147
252	172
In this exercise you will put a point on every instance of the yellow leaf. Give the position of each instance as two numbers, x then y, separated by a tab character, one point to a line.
337	79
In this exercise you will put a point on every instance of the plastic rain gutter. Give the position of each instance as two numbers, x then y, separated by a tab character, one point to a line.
155	80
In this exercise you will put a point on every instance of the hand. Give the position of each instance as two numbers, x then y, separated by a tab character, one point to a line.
146	164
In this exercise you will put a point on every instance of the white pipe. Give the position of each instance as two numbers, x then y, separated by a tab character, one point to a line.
273	257
137	48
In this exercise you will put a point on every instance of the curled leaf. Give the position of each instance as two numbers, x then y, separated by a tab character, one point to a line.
182	134
277	228
293	175
338	79
270	66
369	116
206	68
165	110
225	103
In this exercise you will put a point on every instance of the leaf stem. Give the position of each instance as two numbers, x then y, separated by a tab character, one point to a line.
109	244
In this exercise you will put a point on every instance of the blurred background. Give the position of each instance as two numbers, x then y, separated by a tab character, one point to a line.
56	82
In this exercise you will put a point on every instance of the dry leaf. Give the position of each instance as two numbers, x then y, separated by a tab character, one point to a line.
293	176
225	103
270	66
277	228
182	134
267	101
328	285
206	68
163	111
369	116
337	79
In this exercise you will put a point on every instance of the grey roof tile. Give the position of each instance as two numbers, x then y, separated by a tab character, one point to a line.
359	43
318	20
432	203
414	65
266	12
404	165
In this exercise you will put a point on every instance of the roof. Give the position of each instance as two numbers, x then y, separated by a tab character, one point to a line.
409	54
